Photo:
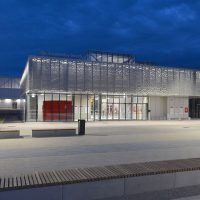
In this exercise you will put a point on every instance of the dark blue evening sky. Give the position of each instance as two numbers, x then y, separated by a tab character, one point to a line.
166	32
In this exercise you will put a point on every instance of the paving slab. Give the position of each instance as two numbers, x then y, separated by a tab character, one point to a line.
105	143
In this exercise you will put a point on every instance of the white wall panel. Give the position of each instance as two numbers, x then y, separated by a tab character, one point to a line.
177	107
158	108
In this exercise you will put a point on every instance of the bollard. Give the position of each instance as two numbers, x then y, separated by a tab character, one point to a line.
81	127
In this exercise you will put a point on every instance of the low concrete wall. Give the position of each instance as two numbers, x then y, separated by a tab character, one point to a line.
43	193
9	134
53	133
113	188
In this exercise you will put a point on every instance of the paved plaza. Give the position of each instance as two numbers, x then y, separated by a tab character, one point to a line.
105	143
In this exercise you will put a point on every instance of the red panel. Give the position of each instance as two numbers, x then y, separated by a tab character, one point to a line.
47	110
57	110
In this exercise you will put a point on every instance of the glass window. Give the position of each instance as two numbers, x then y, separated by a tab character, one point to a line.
99	57
122	99
144	111
91	105
110	110
63	107
96	107
104	99
134	111
104	107
69	108
84	107
69	97
139	111
115	59
31	107
134	99
120	59
145	100
126	59
103	111
122	111
128	99
92	57
104	58
140	99
109	58
40	106
116	111
116	99
128	111
121	107
110	99
77	107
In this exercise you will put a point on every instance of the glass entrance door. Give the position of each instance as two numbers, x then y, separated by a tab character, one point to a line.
122	107
141	111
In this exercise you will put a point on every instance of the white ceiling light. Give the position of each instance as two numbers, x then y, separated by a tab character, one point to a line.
8	100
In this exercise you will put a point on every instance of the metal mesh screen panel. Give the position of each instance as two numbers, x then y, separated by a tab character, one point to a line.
59	74
8	82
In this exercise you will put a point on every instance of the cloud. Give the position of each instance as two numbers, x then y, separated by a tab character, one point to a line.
164	32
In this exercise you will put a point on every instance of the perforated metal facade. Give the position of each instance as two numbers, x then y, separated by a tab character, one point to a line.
105	86
8	82
10	88
67	75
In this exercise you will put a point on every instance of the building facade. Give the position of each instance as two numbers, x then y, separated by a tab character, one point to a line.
107	86
11	104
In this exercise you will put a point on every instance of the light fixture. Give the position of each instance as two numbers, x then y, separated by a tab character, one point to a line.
18	100
8	100
33	95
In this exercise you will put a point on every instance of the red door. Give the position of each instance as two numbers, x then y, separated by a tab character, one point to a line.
57	110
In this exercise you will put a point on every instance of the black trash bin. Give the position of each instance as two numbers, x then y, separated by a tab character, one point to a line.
81	127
